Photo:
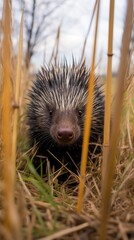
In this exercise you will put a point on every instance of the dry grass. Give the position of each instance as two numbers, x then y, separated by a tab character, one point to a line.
42	217
87	127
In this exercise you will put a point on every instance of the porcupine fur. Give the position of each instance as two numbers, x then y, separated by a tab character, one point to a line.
56	114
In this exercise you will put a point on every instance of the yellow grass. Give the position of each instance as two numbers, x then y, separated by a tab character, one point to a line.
107	116
17	93
87	127
111	157
10	213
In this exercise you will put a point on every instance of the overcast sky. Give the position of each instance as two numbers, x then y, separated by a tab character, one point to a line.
74	17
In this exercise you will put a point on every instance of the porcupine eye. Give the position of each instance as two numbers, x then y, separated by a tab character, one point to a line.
80	113
50	113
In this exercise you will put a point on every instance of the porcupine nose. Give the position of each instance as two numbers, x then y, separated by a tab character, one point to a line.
65	134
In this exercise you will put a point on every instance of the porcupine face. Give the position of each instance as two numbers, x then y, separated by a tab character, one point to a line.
57	105
56	110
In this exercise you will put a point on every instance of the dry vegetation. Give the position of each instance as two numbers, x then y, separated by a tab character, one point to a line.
44	209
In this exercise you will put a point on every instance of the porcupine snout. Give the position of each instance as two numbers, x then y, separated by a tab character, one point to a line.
65	129
65	134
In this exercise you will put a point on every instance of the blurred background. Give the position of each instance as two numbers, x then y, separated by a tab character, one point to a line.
61	26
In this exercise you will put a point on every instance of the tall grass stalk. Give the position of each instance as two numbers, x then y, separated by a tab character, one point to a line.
108	177
10	214
17	93
55	50
85	41
108	92
87	127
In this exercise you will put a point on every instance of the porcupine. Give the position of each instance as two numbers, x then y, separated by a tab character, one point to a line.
56	114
